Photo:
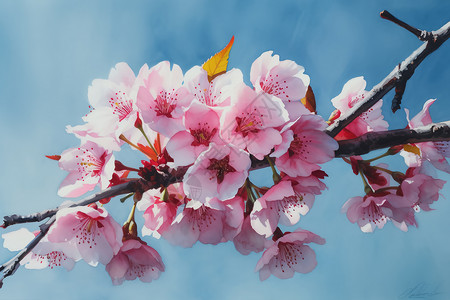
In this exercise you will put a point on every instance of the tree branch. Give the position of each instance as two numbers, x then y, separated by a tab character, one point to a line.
157	178
422	35
384	139
116	190
399	75
10	267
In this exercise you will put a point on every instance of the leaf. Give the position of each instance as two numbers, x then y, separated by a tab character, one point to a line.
309	101
218	63
412	149
54	157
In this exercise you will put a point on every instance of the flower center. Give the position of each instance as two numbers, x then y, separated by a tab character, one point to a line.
299	146
202	136
90	165
247	124
374	214
53	259
288	256
121	104
202	217
355	99
221	167
164	104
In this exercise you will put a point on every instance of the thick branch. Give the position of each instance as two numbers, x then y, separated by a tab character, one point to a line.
400	74
384	139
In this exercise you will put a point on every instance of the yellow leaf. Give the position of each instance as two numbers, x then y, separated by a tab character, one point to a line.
412	148
218	63
309	101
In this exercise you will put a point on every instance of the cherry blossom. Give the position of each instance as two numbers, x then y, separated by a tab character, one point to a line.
304	146
280	204
43	255
375	209
202	128
88	165
421	187
135	259
114	108
161	211
368	211
249	123
162	99
215	94
210	223
283	79
289	254
89	229
248	240
371	120
217	173
434	152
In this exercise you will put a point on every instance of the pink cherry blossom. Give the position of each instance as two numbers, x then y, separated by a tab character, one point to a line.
371	120
88	165
375	209
309	184
217	173
288	255
160	213
304	147
43	255
385	203
202	128
114	109
248	240
233	218
280	204
434	152
424	189
249	123
368	212
210	223
135	259
162	99
90	230
283	79
215	94
158	218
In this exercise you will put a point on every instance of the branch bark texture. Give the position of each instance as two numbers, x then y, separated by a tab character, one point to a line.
384	139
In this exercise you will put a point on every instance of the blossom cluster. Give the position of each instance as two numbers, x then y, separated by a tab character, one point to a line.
218	128
412	191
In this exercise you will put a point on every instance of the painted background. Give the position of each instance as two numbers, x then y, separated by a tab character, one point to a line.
50	51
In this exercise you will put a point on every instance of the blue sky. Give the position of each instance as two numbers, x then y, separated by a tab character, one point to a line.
50	51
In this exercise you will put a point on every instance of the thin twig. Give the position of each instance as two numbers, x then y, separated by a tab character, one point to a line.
116	190
423	35
10	267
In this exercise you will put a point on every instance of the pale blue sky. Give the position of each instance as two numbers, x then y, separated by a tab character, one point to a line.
50	51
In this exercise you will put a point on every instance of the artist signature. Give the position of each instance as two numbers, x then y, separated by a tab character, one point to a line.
421	290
